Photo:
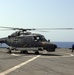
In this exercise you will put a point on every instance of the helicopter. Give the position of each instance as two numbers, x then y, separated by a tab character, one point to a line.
23	40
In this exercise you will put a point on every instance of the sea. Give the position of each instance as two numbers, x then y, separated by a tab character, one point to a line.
59	44
64	44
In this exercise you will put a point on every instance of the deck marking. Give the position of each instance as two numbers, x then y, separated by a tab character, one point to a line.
71	55
15	54
18	66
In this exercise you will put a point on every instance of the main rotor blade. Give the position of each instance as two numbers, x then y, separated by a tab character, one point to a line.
30	29
12	28
22	29
6	30
55	29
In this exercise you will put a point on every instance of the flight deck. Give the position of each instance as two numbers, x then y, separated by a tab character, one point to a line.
60	62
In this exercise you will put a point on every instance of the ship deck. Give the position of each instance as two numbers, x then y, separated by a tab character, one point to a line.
60	62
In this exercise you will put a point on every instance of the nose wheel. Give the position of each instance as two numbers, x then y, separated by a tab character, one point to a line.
9	51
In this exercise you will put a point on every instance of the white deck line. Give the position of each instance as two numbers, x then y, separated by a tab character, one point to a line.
18	66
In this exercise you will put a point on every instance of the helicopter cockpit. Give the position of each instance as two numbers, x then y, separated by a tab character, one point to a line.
39	38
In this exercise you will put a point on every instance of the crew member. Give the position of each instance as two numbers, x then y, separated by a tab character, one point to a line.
72	48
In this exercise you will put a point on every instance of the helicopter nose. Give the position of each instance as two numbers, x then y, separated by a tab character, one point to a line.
50	47
55	46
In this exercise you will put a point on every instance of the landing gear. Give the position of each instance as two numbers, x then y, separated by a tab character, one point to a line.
36	52
24	51
9	51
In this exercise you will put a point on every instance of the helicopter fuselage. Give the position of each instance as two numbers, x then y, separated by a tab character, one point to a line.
29	41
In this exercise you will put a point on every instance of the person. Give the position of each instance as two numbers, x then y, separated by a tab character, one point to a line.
72	48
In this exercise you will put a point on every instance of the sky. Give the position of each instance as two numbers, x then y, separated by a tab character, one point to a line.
39	14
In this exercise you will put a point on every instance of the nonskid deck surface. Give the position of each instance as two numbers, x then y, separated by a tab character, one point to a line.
60	62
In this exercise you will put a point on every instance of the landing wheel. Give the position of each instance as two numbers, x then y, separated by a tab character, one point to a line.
9	51
37	52
24	51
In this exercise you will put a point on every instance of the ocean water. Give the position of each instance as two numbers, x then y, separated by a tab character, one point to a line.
3	45
64	44
59	44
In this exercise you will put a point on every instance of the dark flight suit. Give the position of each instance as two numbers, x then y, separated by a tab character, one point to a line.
72	48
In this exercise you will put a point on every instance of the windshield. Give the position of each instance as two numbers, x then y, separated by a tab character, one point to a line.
39	38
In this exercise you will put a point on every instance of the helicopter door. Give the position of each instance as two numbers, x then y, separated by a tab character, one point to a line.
35	41
27	40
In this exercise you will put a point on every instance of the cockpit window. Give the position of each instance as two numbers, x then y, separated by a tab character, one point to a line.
39	38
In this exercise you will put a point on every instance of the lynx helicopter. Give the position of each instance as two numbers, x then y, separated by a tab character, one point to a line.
24	40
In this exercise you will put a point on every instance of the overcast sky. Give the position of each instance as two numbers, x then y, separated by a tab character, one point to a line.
39	14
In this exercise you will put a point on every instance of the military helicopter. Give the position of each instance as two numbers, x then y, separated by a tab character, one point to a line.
23	40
